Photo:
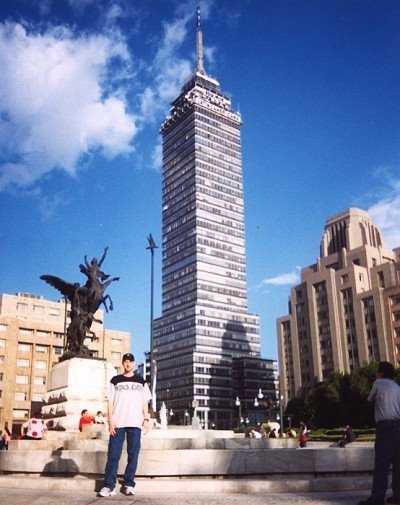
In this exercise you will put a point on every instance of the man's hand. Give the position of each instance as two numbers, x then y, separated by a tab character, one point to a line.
111	427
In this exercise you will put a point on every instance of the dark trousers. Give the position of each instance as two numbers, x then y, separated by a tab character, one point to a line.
387	452
115	445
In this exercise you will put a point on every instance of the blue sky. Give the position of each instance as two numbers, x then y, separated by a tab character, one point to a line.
85	86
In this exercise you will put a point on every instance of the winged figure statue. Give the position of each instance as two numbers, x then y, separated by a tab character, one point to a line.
84	300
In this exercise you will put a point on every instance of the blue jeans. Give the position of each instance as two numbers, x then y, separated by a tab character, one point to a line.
115	445
387	452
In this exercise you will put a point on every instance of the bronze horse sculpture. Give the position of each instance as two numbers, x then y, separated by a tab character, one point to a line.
85	300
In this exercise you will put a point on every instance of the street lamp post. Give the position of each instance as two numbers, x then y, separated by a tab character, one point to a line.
153	369
239	405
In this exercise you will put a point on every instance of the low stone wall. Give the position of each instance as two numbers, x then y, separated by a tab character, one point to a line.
190	457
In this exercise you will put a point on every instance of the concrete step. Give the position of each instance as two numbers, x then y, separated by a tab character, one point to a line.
293	484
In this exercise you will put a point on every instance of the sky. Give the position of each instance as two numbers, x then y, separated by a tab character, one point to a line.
85	86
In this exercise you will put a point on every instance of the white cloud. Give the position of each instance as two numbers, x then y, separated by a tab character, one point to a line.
55	106
386	211
289	278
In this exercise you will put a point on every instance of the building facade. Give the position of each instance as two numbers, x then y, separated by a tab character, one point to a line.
32	339
205	323
346	309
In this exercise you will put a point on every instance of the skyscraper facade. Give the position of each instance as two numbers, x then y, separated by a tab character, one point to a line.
346	309
205	323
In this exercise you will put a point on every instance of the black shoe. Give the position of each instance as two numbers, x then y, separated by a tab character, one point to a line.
393	499
371	501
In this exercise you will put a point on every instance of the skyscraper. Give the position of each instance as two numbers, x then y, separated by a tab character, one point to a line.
346	310
205	324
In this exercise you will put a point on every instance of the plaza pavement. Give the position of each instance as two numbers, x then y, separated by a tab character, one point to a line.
26	496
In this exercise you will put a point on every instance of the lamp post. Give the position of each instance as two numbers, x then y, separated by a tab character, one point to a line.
281	412
153	369
186	417
239	405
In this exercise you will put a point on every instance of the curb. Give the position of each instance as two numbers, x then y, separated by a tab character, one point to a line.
287	484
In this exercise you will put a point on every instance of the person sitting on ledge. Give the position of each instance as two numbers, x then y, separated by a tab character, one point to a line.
86	418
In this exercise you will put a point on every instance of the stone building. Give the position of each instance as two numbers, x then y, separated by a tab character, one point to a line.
32	338
346	309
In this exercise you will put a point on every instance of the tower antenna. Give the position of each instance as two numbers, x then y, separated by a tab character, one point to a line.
199	44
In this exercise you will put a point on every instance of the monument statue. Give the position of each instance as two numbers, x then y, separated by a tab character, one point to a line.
85	300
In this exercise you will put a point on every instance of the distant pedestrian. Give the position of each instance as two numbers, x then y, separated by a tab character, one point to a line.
303	435
6	438
85	419
385	394
99	418
34	428
128	414
348	436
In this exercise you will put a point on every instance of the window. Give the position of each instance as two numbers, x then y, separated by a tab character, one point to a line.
38	309
42	348
43	333
26	331
3	327
2	359
24	347
1	376
21	379
2	342
345	278
39	381
381	279
20	413
116	341
37	397
40	365
23	362
54	312
22	307
396	300
59	335
368	302
57	350
20	397
116	356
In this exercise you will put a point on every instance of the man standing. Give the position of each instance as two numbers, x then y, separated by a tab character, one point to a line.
385	393
128	413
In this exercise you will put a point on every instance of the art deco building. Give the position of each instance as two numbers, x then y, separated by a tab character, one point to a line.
205	323
32	337
346	310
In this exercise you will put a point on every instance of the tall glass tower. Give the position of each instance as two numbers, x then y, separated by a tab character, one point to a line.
205	324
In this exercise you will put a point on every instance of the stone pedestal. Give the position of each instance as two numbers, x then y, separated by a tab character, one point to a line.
74	385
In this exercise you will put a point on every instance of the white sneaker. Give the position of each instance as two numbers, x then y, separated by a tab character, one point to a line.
128	490
106	491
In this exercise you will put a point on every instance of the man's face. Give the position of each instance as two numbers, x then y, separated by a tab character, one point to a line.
128	365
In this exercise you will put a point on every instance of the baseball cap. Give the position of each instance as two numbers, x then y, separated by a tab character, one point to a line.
128	356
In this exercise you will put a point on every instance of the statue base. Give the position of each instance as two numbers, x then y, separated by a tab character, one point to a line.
74	385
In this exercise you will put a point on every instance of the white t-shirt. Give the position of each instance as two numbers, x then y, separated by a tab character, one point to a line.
127	395
386	395
35	427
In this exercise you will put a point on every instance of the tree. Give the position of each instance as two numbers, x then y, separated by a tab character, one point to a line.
340	400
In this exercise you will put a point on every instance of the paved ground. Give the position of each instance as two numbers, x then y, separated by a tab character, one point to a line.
29	497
